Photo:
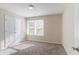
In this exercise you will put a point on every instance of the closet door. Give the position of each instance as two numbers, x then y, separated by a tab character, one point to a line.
18	31
2	38
9	30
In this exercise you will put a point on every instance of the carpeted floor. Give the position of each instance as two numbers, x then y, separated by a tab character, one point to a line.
35	48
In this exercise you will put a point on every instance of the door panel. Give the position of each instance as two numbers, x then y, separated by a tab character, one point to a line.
9	30
18	31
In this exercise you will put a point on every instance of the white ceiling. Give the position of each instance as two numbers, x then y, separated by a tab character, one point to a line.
39	10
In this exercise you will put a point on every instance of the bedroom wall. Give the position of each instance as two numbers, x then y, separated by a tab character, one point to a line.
52	29
1	30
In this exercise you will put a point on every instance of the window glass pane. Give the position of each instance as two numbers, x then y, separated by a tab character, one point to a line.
31	24
39	23
39	31
31	31
39	27
30	27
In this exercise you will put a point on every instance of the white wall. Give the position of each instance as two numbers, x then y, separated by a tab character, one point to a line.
76	21
1	30
69	26
52	29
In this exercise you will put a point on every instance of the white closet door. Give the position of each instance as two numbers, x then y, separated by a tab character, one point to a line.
18	31
9	30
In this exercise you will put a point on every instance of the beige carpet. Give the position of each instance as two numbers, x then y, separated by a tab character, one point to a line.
36	48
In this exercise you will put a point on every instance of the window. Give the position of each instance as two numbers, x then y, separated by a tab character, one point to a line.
35	27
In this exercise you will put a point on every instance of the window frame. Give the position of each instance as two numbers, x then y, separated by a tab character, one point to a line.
35	27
